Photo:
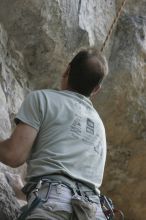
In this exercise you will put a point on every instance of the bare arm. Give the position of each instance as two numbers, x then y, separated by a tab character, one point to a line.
15	150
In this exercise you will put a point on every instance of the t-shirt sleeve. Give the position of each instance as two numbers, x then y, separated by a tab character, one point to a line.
29	112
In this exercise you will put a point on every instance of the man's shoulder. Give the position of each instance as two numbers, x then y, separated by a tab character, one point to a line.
98	118
44	92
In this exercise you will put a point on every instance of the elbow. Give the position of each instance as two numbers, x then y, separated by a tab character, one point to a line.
12	160
13	164
10	155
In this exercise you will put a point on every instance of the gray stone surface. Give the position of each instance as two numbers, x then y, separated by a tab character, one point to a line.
37	40
9	207
122	105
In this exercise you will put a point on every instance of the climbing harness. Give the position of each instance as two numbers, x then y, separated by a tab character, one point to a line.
38	200
115	21
76	201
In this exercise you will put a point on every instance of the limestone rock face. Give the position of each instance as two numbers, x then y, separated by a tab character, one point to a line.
122	105
47	33
37	40
12	82
9	207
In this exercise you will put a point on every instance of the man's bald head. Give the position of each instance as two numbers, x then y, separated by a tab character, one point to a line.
86	71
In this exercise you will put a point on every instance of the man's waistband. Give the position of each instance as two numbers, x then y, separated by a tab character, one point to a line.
71	183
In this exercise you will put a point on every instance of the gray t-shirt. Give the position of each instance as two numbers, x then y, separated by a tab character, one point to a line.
71	136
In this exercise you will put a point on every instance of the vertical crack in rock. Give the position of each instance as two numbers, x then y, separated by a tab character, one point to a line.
79	6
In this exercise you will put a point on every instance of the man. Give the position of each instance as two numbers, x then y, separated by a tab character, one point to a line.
62	138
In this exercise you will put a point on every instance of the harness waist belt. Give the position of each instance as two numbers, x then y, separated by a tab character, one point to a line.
74	184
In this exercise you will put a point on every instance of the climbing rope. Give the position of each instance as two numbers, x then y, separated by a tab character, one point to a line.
115	21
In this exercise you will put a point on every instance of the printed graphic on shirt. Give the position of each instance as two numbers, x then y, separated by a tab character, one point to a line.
76	126
98	148
90	126
84	128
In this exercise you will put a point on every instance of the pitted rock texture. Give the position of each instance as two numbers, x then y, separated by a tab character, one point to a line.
37	40
9	207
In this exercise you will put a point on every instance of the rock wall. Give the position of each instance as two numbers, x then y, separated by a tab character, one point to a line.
8	210
122	105
37	40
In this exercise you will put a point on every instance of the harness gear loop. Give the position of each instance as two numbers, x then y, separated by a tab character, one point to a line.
109	210
115	21
37	201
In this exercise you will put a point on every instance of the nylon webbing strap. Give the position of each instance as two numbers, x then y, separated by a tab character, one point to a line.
115	21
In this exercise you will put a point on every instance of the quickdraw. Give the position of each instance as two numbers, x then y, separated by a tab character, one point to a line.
109	210
37	201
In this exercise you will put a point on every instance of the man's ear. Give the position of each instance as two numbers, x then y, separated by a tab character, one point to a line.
95	90
66	73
